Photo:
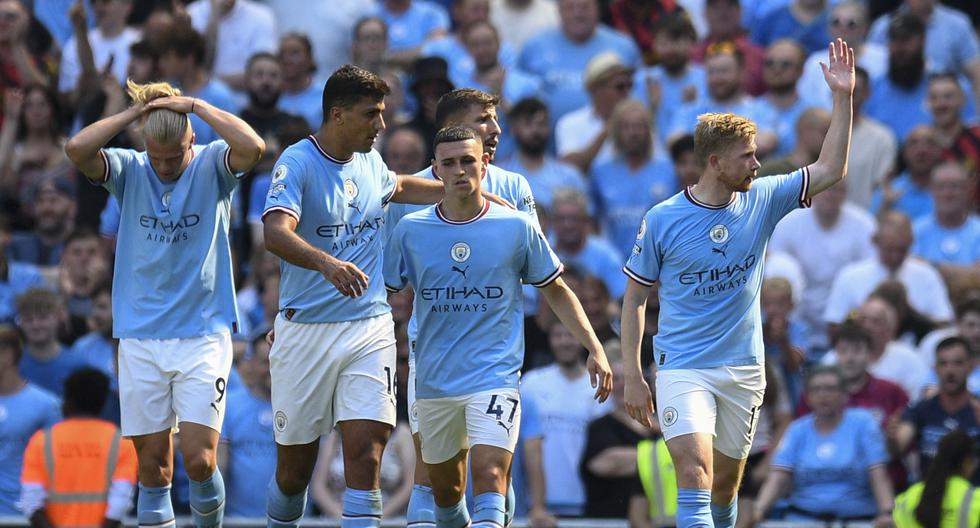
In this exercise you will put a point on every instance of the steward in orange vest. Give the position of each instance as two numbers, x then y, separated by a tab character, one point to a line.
79	473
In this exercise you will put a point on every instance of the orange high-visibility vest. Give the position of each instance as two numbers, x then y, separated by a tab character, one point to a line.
76	461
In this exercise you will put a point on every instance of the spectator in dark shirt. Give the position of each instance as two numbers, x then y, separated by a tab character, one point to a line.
54	210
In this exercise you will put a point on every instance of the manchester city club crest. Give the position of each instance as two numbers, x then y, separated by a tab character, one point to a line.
350	189
166	199
669	416
280	421
280	174
460	252
718	234
643	229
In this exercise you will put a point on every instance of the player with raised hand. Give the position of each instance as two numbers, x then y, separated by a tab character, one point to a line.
466	259
333	356
173	299
706	247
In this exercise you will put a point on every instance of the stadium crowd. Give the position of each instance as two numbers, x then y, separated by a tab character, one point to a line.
871	303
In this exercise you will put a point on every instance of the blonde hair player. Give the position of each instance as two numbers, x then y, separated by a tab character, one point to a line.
173	298
705	246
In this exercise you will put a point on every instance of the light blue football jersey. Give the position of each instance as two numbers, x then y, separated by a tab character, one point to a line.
467	278
709	261
173	274
508	185
340	207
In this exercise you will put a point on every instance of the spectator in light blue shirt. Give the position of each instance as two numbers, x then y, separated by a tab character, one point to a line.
676	79
781	71
412	22
559	56
909	192
453	47
833	460
300	95
804	21
46	361
951	235
576	247
15	277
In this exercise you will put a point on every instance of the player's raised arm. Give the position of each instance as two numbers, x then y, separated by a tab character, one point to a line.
246	145
83	149
831	165
639	402
566	306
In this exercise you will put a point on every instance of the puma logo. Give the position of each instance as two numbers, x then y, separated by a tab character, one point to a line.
215	407
353	205
719	250
501	424
461	271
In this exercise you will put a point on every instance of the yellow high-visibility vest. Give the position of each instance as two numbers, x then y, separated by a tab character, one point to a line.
659	480
961	505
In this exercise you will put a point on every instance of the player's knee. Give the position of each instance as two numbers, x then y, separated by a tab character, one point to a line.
154	469
723	495
489	476
293	480
200	465
693	475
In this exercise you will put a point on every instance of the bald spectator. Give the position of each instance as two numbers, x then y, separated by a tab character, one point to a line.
781	71
300	95
725	66
233	30
823	239
559	56
804	21
870	165
926	290
625	187
724	25
582	136
675	79
578	247
530	125
950	237
849	21
404	151
891	359
519	20
810	128
909	191
950	40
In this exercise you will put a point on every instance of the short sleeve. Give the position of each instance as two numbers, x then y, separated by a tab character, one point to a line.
220	155
874	450
286	188
394	268
541	266
118	162
787	451
126	465
34	470
786	192
644	262
525	200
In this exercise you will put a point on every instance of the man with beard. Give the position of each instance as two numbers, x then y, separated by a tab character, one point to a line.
54	209
263	83
953	408
530	124
676	79
781	71
896	98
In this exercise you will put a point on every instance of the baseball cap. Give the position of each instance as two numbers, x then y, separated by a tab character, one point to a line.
603	66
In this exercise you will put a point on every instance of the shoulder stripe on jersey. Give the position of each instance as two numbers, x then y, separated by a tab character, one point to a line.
481	214
105	159
282	209
316	144
228	165
804	201
550	278
699	203
637	277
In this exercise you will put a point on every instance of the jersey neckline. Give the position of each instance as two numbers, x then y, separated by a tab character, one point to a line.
481	214
323	153
691	198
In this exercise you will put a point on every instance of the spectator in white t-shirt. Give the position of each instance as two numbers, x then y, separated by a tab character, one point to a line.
234	31
110	39
823	239
926	291
519	20
871	164
563	397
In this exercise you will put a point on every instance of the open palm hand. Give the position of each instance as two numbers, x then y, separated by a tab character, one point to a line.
840	73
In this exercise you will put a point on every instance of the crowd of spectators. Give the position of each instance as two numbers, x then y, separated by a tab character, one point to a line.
871	303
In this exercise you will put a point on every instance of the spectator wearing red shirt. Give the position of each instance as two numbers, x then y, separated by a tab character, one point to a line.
638	20
961	142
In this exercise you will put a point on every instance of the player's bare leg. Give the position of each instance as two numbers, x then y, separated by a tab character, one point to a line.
287	492
154	453
693	459
724	488
490	467
448	488
421	506
364	443
199	447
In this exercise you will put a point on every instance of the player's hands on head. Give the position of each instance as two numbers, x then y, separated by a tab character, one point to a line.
639	402
840	73
177	103
345	276
600	374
